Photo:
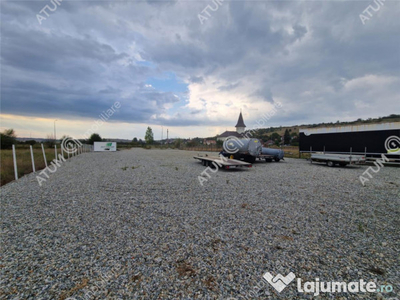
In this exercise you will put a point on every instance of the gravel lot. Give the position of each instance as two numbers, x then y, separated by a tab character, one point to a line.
137	224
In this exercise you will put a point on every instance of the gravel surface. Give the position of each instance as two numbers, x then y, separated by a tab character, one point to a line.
137	224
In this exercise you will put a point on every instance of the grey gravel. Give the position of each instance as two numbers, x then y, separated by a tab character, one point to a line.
136	224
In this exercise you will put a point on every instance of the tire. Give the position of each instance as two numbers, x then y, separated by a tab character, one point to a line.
250	159
213	166
330	163
277	159
268	159
204	162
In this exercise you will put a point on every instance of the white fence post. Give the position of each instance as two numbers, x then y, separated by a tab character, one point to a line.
55	153
44	156
15	162
33	160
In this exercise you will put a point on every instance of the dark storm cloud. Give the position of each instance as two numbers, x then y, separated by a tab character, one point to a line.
196	79
87	55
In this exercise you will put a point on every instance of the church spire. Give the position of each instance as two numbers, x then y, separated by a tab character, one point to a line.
240	127
240	122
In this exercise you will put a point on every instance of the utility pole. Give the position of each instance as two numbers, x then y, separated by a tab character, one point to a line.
162	134
55	137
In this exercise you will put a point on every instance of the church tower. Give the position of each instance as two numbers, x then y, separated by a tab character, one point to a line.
240	127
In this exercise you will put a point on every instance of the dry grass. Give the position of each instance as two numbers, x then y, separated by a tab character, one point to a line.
78	287
185	269
24	163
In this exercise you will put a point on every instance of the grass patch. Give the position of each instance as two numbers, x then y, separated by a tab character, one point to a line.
24	163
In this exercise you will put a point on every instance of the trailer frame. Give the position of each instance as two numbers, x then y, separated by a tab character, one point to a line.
332	159
222	162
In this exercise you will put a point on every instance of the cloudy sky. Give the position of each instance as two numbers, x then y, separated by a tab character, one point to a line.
191	69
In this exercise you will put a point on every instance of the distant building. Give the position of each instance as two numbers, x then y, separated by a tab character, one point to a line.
269	143
370	138
209	142
240	128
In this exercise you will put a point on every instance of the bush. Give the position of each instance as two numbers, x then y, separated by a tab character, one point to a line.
177	143
7	141
30	142
7	138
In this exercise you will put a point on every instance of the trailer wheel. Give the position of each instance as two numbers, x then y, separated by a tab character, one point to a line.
277	159
330	163
213	166
204	162
252	159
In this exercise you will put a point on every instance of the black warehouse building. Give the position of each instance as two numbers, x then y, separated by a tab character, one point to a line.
360	138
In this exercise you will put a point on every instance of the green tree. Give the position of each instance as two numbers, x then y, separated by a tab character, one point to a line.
192	143
275	137
177	143
149	137
286	137
95	137
7	138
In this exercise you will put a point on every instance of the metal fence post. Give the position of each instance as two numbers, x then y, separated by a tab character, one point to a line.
15	162
55	153
44	156
33	160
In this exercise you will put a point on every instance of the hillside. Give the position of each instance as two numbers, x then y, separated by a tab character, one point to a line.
264	133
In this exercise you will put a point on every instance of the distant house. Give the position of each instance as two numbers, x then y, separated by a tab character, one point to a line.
240	128
209	142
269	143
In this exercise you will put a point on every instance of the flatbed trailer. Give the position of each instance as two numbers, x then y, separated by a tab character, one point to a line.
222	162
332	159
